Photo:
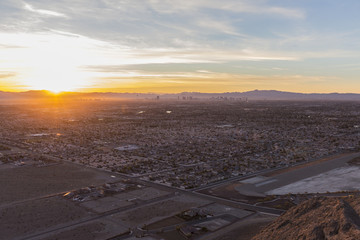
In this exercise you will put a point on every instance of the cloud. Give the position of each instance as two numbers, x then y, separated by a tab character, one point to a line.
43	12
5	46
263	9
151	23
111	39
208	55
285	12
245	6
218	26
203	71
145	81
7	74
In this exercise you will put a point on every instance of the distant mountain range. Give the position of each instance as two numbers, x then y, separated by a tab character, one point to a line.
250	95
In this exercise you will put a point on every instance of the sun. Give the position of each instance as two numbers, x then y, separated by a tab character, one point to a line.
55	76
56	66
56	79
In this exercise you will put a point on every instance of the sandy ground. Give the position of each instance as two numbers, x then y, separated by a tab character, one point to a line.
98	229
105	204
242	230
219	209
142	194
123	199
345	178
38	215
28	182
157	211
147	193
306	178
166	222
305	165
30	203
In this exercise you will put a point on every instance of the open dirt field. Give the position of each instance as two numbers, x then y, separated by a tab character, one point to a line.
340	179
155	212
243	230
28	182
38	215
98	229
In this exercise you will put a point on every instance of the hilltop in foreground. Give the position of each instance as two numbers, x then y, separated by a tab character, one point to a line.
317	219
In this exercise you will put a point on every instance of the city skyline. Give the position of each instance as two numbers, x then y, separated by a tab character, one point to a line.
169	47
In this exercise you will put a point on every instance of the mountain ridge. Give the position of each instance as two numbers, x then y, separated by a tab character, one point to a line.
248	95
320	218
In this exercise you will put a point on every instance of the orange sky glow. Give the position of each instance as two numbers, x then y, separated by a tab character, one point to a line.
162	47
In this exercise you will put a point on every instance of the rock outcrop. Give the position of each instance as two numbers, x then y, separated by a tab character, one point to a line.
324	218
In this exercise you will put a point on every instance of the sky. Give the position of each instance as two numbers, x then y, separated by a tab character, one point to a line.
167	46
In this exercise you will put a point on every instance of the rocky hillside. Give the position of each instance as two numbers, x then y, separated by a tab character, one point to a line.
317	219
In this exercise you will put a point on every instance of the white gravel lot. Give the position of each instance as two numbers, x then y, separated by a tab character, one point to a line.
345	178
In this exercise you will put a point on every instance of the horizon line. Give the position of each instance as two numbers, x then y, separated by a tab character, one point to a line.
158	93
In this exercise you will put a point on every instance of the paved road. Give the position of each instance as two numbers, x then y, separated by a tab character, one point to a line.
215	199
186	192
281	179
265	171
98	216
297	174
173	192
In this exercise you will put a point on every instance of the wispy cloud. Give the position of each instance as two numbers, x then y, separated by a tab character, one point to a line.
246	6
265	9
218	26
285	12
246	41
143	81
9	46
43	11
7	74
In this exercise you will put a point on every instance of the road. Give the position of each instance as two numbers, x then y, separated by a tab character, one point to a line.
182	191
301	172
